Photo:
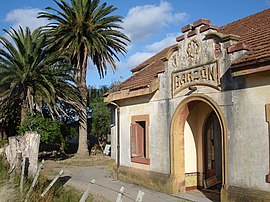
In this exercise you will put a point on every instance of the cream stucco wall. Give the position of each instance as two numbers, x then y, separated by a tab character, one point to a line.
190	150
248	135
240	102
158	139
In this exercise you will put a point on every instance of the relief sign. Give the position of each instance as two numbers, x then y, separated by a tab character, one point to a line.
207	74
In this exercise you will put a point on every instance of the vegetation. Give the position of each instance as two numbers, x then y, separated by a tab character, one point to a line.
32	77
86	29
50	130
43	83
100	113
9	192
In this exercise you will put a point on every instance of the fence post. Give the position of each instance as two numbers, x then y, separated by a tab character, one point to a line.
52	182
87	192
34	181
22	174
139	196
120	195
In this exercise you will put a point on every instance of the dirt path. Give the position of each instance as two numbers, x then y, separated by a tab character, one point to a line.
79	172
52	167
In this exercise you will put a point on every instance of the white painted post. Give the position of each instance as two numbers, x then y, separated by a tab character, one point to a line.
34	181
22	174
139	196
120	195
87	192
52	182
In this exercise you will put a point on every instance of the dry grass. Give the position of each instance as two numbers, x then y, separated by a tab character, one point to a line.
8	194
52	167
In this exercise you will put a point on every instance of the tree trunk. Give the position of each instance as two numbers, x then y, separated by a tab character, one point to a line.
23	111
83	146
81	81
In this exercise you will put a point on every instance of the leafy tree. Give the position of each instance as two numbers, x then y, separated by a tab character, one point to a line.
86	29
31	76
49	130
100	113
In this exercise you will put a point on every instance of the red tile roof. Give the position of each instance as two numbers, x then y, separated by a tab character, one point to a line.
144	73
254	31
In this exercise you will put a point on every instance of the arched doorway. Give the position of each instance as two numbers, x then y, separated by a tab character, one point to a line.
198	151
212	153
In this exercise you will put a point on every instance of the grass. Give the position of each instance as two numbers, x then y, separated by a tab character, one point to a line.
8	193
9	189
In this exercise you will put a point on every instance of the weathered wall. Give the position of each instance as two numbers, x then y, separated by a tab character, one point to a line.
248	137
158	139
240	102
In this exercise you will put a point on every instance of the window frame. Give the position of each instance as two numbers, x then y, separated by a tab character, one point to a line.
135	119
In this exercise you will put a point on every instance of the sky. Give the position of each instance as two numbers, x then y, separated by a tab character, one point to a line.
152	25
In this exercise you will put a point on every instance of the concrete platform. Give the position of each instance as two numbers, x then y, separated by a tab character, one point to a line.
107	188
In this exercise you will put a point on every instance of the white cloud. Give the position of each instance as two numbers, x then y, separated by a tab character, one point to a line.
138	58
164	43
151	49
142	22
25	18
133	60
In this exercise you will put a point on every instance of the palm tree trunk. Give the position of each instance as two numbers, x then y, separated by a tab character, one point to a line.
23	111
83	146
83	143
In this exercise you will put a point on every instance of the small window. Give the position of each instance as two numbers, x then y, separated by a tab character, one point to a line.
139	139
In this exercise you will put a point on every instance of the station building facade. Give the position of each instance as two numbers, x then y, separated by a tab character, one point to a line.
196	115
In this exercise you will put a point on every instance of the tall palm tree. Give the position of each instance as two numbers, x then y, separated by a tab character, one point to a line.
86	29
31	75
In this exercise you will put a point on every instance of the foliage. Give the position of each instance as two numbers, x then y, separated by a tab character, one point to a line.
100	118
50	130
86	29
31	76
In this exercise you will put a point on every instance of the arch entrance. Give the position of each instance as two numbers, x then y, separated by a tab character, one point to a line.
198	159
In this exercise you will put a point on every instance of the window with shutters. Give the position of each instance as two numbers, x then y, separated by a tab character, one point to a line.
139	139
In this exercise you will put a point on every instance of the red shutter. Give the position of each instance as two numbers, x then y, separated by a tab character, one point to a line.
140	140
136	140
133	137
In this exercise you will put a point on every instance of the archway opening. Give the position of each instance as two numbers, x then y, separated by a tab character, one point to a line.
197	145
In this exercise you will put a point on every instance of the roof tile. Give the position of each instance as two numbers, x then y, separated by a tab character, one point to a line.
253	31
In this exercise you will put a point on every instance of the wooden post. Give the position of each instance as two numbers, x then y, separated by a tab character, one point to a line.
31	148
34	181
22	174
52	182
139	196
18	162
11	170
87	192
120	195
13	148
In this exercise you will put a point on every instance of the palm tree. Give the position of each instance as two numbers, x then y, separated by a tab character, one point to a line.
31	76
86	29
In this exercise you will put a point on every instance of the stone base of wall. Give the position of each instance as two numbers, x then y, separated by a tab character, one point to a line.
149	179
233	194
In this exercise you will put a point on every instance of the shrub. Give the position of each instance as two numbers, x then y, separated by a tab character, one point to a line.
49	130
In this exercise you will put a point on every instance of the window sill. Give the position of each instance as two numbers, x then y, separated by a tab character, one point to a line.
140	160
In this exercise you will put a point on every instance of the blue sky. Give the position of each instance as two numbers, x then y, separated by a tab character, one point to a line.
151	25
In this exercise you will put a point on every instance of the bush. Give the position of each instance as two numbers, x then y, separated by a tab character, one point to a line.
49	130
